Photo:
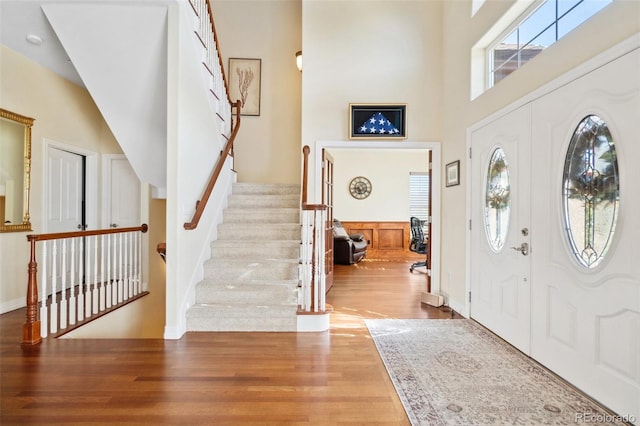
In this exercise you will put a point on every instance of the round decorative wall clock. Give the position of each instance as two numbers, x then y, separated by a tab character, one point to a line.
360	187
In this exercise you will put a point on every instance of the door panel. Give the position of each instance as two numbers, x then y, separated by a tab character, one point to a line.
500	275
64	191
586	322
124	195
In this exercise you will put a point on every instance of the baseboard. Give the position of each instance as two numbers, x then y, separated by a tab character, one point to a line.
12	305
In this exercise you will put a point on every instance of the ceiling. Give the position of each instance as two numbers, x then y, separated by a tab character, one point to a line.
21	18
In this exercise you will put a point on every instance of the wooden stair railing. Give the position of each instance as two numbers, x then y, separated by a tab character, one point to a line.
99	287
209	39
202	202
313	279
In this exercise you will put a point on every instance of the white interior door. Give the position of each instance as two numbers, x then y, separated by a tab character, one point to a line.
122	193
64	191
586	320
500	261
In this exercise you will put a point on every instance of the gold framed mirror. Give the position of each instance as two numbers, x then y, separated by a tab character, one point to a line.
15	171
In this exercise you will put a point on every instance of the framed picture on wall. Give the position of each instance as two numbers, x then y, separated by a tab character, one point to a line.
244	84
452	173
377	121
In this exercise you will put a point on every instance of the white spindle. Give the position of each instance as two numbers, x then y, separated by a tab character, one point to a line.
109	292
103	287
44	311
81	279
53	307
87	279
96	293
72	283
120	272
63	287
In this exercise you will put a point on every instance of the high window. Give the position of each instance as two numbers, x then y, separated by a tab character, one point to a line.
549	21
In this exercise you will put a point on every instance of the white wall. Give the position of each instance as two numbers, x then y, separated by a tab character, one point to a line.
388	170
267	149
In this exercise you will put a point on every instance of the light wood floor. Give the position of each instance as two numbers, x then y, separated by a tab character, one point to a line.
328	378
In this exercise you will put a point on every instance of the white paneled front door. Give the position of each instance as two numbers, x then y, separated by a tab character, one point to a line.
586	321
500	261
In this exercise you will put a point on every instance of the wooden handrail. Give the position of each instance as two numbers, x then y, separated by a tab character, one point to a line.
31	329
202	203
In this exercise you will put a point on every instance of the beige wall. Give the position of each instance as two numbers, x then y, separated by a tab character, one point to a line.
267	149
388	170
63	112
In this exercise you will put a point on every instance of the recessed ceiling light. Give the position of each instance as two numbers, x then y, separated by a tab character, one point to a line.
34	39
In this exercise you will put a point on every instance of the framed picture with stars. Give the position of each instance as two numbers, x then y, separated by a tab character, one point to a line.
377	121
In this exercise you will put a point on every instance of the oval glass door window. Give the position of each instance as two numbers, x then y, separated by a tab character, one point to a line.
497	208
591	190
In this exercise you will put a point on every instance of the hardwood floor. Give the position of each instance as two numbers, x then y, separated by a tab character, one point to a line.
328	378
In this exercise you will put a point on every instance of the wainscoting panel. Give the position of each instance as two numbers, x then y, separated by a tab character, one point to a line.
386	240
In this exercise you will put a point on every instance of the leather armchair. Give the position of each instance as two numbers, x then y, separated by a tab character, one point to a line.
347	249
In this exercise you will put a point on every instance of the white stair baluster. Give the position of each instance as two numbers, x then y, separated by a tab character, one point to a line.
109	292
81	279
96	292
87	294
63	287
72	283
53	309
103	287
120	272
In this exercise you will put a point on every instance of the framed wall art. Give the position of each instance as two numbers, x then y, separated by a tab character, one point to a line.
377	121
244	84
452	173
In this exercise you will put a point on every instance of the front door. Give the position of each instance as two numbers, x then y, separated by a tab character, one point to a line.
500	261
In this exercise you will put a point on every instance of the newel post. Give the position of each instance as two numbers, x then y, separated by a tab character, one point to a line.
31	327
305	172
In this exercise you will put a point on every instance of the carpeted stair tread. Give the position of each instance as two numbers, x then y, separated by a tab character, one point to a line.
250	282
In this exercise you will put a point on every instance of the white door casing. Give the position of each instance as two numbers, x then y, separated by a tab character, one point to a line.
500	279
586	323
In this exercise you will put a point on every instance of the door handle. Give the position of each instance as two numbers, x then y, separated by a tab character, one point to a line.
524	249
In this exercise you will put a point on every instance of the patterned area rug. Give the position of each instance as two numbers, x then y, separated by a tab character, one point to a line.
454	372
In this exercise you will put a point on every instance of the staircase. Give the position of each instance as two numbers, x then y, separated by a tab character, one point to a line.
251	281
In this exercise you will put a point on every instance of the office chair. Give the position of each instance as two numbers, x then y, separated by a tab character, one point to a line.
418	242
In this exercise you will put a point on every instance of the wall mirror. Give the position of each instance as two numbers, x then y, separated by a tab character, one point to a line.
15	168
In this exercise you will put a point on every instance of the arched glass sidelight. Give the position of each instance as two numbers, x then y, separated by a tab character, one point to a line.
591	191
497	209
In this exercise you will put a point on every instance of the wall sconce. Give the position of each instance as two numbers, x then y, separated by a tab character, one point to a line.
299	60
